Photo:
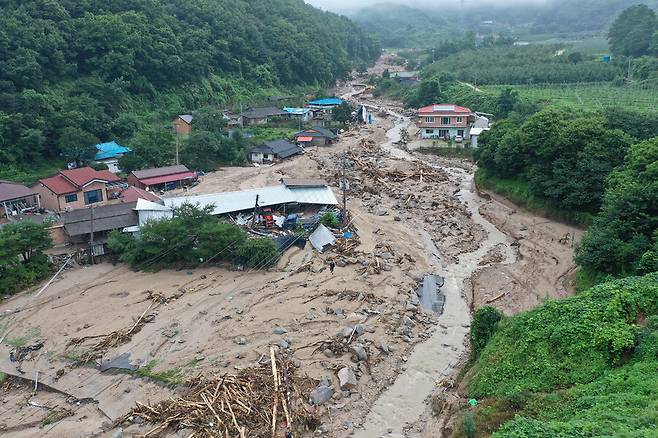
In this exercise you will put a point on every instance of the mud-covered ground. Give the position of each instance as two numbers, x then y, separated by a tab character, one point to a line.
412	217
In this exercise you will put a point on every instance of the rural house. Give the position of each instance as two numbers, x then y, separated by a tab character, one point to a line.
272	151
16	199
183	124
109	154
162	178
303	114
406	78
77	188
315	137
79	224
444	121
261	116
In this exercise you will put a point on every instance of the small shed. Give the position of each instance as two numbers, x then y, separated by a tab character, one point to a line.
325	104
261	116
271	151
183	124
315	137
16	199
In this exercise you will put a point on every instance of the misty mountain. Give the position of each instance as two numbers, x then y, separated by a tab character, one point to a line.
399	25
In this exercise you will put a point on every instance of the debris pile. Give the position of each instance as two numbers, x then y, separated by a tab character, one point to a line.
116	338
257	402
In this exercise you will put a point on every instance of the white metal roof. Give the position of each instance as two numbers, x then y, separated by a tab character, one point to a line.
143	204
230	202
477	131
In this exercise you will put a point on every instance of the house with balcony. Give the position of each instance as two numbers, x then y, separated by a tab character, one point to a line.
444	121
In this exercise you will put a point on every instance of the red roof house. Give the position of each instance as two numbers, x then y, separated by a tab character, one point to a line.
75	188
132	194
444	121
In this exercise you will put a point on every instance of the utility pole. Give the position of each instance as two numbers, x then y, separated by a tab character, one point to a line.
253	218
91	237
177	146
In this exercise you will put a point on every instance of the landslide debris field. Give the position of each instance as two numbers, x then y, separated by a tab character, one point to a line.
337	340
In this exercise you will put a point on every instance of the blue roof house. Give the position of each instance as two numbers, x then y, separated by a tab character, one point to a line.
299	113
109	154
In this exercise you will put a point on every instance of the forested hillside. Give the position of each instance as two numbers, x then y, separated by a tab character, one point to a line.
75	71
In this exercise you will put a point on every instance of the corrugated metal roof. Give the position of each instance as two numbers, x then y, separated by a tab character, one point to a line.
110	149
187	118
258	113
10	190
133	194
302	182
281	148
106	218
168	178
327	102
160	171
230	202
316	132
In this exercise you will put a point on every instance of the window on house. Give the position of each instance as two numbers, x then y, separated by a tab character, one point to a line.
445	120
429	131
71	198
429	119
443	132
459	119
93	196
460	132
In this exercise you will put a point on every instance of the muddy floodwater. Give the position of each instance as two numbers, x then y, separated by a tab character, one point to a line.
404	402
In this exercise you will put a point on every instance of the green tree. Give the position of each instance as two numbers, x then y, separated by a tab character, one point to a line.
22	261
77	145
343	113
152	146
507	101
623	232
631	33
485	322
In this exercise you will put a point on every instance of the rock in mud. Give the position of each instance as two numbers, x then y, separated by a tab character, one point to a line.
321	395
347	378
359	352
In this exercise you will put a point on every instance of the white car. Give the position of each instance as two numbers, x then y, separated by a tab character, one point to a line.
459	139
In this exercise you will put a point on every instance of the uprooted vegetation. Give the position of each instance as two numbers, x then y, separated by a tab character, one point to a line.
571	365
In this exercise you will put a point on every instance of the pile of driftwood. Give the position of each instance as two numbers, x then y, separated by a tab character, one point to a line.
421	173
257	402
115	338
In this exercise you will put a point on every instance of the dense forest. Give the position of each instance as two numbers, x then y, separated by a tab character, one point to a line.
400	26
75	72
584	366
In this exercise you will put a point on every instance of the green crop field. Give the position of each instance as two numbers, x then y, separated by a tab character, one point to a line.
589	96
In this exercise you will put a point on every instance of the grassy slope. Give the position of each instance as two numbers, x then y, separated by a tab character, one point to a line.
518	192
583	366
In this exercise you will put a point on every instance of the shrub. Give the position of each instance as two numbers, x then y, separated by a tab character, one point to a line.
468	427
258	253
483	327
330	220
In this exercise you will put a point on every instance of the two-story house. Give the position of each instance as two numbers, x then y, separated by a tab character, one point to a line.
445	121
76	188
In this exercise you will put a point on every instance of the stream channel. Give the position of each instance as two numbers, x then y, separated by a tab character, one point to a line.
403	403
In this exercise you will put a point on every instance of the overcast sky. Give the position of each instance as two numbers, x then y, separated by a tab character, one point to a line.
352	5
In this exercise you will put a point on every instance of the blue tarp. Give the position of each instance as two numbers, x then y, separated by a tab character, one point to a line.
328	101
111	149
